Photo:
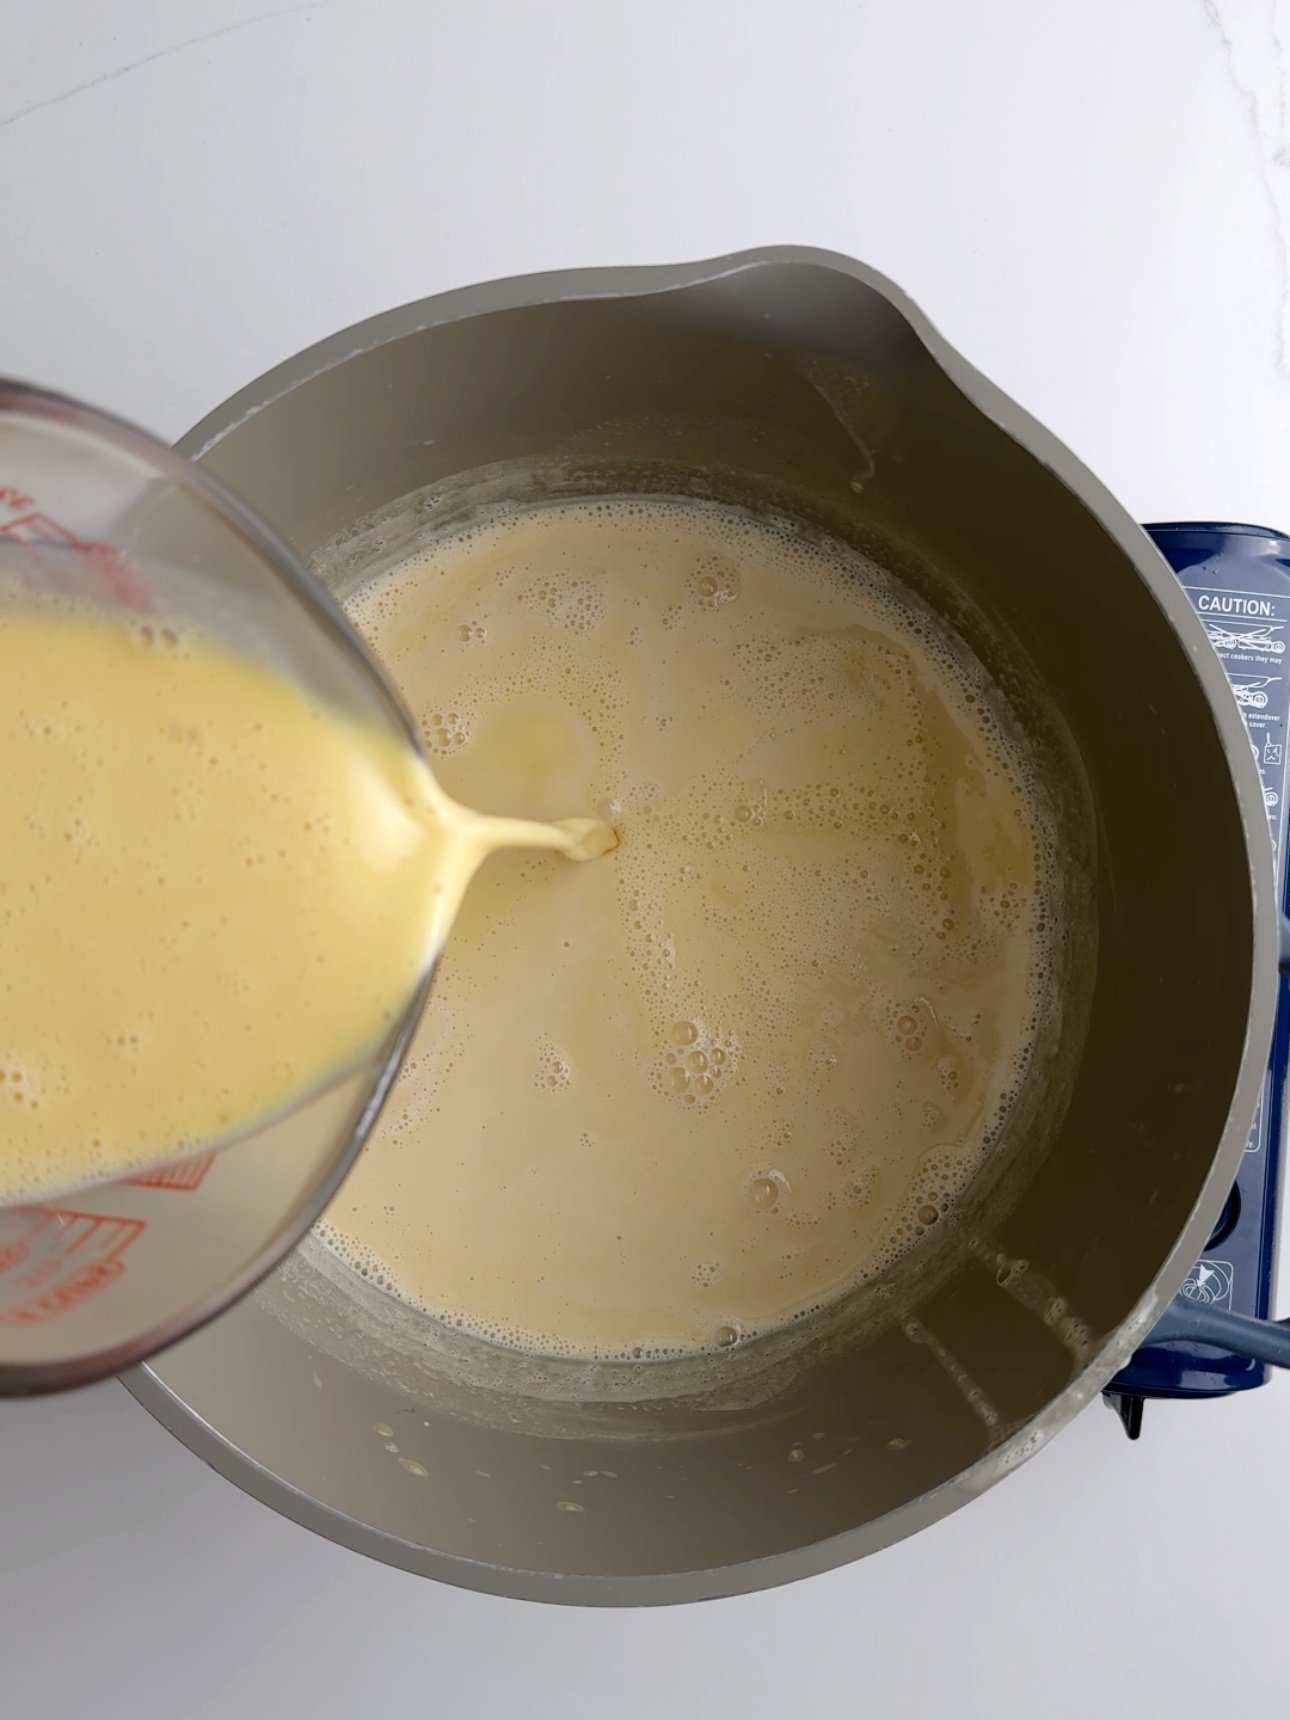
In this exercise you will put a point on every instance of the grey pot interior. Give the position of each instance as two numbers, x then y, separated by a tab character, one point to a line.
806	384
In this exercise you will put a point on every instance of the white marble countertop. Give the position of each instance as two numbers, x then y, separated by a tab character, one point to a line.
1093	200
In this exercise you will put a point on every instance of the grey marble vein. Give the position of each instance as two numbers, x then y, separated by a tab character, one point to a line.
115	72
1257	68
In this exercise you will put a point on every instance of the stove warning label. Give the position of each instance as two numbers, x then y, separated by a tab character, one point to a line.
1249	630
1233	603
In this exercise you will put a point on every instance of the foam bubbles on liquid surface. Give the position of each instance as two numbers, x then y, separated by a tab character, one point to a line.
781	1028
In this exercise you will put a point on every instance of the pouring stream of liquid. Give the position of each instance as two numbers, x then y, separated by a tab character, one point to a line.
473	836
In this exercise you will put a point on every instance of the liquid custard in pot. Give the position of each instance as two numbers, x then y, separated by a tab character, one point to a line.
675	1099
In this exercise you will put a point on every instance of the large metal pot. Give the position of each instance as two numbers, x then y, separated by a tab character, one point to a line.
798	380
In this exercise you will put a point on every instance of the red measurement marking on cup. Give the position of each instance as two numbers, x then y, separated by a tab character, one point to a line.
37	528
49	543
18	1228
59	1260
188	1175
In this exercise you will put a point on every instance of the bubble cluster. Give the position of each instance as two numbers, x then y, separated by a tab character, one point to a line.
715	581
154	636
16	1085
801	997
444	732
554	1071
695	1061
569	603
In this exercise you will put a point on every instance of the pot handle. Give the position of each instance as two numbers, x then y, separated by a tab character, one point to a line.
1239	1334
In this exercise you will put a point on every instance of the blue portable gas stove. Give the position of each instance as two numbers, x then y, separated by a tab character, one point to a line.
1238	579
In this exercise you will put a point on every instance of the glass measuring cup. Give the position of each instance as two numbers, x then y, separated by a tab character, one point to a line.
95	510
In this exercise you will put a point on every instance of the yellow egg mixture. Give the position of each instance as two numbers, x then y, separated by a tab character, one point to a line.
680	1097
214	893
